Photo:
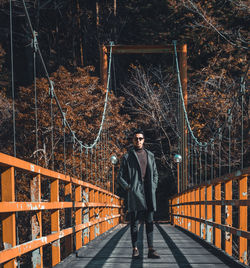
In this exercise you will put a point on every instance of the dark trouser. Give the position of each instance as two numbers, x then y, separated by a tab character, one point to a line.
147	216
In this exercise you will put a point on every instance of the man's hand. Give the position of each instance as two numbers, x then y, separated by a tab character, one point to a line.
128	188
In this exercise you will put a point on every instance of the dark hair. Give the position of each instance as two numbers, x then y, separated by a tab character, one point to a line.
139	131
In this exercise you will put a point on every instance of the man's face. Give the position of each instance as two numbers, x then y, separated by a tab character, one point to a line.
138	141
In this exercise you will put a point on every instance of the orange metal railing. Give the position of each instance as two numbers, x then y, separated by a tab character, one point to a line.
215	211
95	211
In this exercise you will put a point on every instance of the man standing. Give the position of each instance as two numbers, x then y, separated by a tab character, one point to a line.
138	176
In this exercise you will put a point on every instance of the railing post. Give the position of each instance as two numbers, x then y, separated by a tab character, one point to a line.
68	219
8	219
228	216
178	219
97	230
101	211
112	209
182	210
86	231
91	215
109	210
188	210
105	212
55	223
193	211
197	212
209	230
36	221
217	193
203	213
78	216
243	220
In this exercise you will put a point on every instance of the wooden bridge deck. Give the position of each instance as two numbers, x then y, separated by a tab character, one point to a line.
177	249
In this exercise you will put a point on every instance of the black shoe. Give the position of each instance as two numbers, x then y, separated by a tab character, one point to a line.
135	254
152	254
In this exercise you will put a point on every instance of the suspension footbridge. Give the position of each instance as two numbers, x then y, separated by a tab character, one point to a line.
62	211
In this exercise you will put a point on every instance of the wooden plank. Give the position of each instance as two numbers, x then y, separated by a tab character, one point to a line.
175	247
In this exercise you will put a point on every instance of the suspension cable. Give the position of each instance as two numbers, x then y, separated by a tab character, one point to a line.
81	161
222	126
64	144
212	161
55	97
220	140
73	154
52	123
34	44
86	163
229	141
13	110
12	79
242	120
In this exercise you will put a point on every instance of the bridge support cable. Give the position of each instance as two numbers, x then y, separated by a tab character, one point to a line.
196	164
81	156
212	162
242	90
204	154
200	163
86	163
229	121
55	97
52	123
12	79
64	143
73	154
101	136
15	217
220	144
34	45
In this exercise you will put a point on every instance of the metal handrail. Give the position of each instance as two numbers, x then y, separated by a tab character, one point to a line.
94	210
207	211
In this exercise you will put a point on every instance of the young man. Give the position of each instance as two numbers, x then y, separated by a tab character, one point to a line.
138	176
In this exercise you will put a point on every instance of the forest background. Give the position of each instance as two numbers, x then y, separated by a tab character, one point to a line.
144	91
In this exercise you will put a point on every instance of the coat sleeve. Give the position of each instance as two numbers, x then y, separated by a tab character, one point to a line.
123	178
155	173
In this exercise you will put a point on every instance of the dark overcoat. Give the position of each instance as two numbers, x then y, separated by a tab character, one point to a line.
130	179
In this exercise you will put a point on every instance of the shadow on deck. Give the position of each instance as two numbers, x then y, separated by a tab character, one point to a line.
176	247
